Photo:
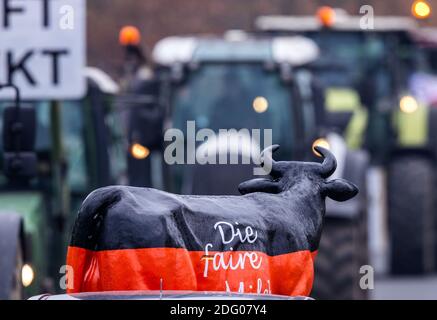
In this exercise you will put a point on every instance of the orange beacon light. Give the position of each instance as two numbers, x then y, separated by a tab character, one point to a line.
129	36
326	16
421	9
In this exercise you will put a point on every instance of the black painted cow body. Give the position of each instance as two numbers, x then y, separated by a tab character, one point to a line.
150	238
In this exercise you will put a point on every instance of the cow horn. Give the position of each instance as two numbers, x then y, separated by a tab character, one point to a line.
329	164
267	154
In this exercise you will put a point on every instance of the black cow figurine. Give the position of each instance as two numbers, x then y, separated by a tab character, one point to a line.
265	241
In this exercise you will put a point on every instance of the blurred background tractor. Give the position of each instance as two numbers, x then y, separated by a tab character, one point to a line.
388	118
244	82
364	81
63	151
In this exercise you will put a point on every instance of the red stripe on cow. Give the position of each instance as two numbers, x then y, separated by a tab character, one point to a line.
179	269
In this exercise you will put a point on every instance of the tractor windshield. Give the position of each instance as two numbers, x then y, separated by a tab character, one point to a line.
354	58
349	57
232	96
236	96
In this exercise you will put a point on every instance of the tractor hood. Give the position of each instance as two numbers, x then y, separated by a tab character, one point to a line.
27	204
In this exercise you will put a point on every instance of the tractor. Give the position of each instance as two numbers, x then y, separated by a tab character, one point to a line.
54	154
240	82
381	61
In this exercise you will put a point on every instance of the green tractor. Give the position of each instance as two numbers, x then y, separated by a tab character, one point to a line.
243	83
54	154
387	119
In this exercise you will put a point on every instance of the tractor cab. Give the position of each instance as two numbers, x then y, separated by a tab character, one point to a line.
240	83
371	61
249	87
385	68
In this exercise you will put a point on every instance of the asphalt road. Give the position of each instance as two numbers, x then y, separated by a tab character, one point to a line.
415	288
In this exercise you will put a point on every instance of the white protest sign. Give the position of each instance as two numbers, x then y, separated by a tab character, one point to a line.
42	48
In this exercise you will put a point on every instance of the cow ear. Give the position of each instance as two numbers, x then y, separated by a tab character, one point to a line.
259	185
340	190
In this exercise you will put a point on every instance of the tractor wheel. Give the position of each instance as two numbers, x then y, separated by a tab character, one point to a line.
12	256
10	277
16	292
342	252
410	210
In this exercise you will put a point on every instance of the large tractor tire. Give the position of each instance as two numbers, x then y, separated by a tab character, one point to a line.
411	216
342	252
343	248
11	259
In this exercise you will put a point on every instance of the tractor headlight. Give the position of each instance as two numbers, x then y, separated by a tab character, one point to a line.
260	104
138	151
320	142
408	104
27	275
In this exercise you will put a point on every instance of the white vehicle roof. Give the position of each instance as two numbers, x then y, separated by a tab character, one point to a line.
343	22
296	50
426	36
105	83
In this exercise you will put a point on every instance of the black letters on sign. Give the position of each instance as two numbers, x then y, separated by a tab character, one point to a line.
16	64
20	65
22	62
46	11
55	54
7	10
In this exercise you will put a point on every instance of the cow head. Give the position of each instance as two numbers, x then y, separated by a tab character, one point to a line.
285	175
